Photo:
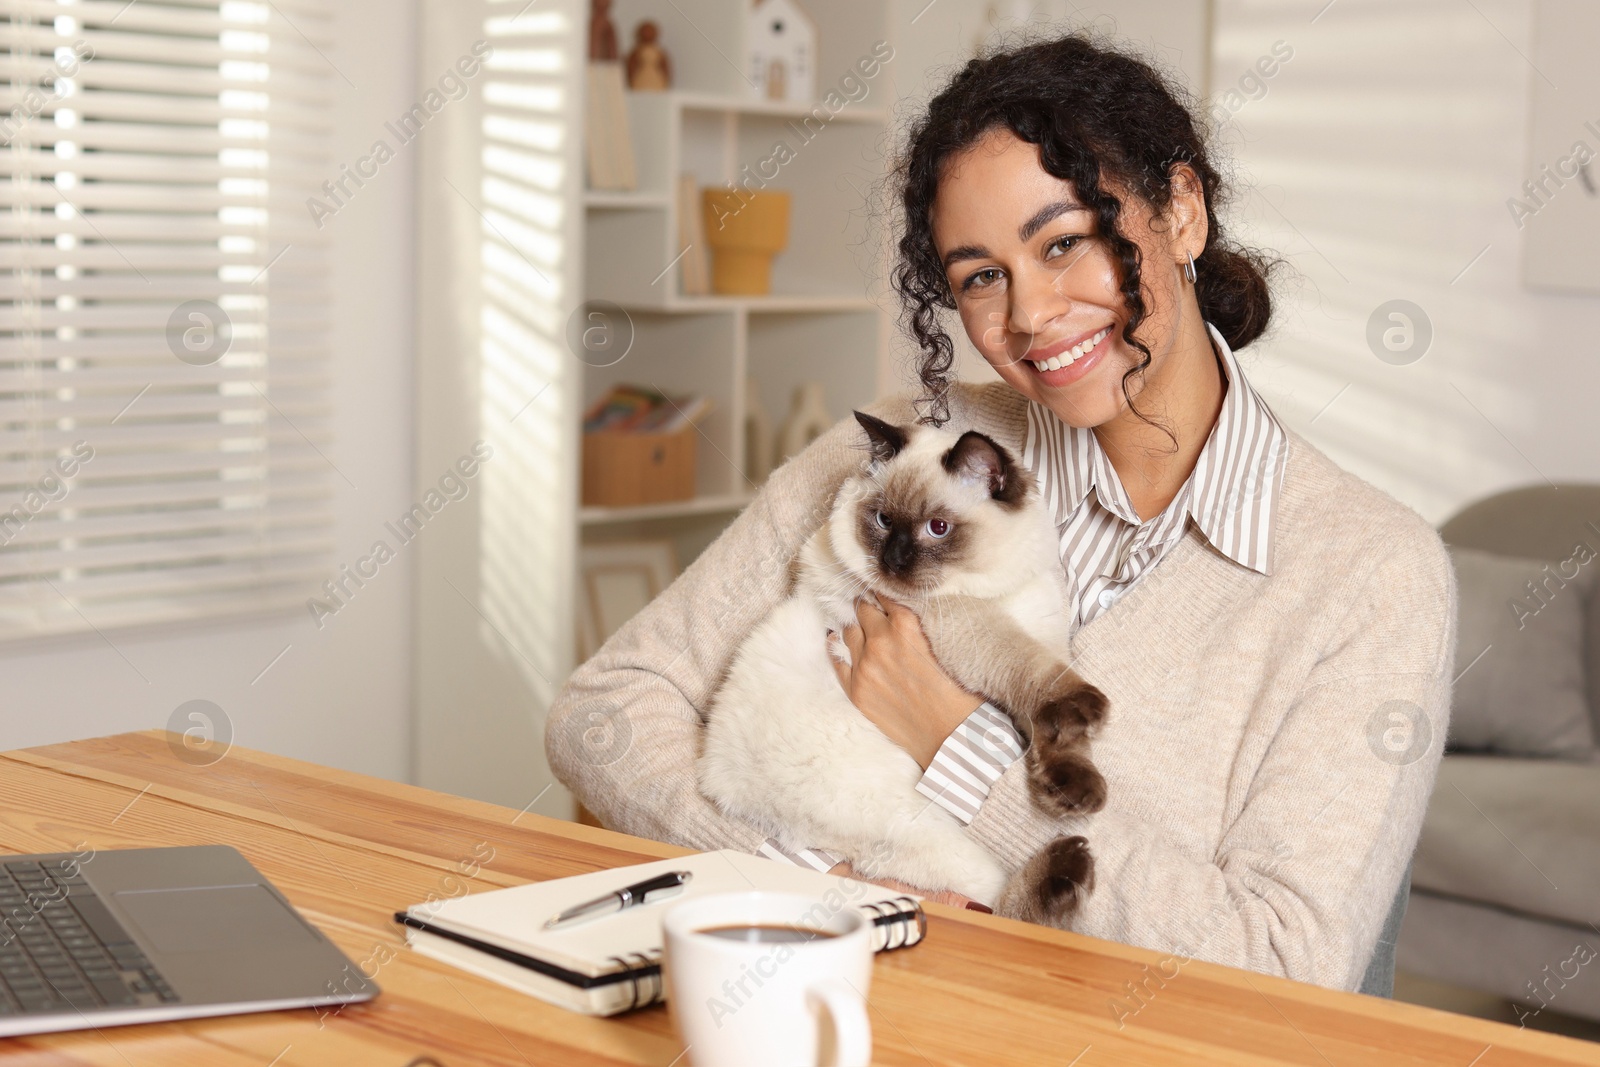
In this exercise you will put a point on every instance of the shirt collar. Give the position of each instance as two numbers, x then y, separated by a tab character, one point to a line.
1232	493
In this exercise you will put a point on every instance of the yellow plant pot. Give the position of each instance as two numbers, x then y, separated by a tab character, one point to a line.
745	230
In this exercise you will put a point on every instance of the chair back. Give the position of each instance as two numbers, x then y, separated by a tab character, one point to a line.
1379	979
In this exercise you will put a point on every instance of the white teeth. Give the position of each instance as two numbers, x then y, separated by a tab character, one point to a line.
1072	355
1086	347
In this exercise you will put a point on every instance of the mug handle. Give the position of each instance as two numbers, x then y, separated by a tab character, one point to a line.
849	1011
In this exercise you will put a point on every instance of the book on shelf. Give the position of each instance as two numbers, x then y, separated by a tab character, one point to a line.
694	269
632	408
613	964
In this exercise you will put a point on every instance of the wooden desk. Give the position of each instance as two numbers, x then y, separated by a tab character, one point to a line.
350	850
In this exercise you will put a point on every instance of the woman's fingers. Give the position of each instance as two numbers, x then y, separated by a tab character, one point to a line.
841	672
893	609
870	617
854	640
905	620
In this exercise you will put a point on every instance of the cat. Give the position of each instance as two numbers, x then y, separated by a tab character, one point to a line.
954	528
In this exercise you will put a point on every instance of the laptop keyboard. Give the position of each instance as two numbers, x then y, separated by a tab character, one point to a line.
61	949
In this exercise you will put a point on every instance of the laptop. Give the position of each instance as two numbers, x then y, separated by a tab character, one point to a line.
150	934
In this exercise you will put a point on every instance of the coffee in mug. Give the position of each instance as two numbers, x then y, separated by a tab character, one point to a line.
766	935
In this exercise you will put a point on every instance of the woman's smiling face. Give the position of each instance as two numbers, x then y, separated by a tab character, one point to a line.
1037	289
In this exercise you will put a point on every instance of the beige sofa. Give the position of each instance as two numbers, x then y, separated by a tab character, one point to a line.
1505	893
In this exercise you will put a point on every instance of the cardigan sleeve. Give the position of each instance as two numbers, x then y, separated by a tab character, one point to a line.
623	732
1306	870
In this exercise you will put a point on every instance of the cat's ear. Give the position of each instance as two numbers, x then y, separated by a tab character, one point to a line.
977	460
884	440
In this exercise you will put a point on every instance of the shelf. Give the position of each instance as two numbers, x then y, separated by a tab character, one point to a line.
607	199
773	108
678	304
700	505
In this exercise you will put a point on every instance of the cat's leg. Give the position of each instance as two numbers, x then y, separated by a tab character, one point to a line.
863	805
965	632
1052	705
923	845
1052	885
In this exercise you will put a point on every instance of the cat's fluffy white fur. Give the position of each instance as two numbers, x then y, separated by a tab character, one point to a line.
786	750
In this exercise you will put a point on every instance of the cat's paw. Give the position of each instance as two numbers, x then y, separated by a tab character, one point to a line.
1063	780
1076	710
1051	886
1065	877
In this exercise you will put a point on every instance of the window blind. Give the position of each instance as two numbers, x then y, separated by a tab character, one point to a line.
164	363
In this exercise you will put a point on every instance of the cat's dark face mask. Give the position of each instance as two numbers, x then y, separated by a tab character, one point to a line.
918	522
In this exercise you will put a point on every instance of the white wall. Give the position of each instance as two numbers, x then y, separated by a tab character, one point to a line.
342	695
1379	163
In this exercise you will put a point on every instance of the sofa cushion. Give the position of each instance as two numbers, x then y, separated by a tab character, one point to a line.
1520	834
1536	962
1528	694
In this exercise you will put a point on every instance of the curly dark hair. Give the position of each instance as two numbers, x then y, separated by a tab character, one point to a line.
1094	111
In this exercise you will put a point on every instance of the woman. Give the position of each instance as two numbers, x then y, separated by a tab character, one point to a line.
1275	636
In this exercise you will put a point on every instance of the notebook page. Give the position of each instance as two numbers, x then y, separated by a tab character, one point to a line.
513	918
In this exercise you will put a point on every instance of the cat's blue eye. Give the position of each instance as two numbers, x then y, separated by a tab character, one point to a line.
883	520
938	527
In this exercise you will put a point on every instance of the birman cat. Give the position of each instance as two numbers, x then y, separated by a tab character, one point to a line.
952	527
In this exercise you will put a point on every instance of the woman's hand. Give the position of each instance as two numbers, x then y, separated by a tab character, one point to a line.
943	896
896	683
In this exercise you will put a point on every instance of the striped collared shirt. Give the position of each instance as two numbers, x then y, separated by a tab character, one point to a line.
1231	496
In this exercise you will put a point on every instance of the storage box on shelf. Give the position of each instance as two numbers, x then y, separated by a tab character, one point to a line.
627	469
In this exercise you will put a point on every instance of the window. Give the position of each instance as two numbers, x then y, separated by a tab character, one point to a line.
163	357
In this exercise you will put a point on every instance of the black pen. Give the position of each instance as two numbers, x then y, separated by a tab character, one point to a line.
645	892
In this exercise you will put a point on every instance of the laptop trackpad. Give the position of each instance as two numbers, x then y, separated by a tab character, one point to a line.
212	918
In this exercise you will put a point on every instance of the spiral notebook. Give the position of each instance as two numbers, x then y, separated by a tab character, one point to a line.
613	964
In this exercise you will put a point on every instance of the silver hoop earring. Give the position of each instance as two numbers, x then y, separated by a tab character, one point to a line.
1188	270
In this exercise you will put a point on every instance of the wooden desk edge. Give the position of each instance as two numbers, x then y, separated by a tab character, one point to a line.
57	757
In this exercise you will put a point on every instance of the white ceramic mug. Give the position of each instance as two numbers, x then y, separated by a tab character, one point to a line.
739	1003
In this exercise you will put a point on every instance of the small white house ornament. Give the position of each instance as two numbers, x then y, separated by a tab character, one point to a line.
781	45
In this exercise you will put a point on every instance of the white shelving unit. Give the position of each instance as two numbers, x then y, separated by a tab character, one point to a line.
817	323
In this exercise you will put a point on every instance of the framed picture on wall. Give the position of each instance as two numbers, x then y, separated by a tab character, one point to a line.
615	581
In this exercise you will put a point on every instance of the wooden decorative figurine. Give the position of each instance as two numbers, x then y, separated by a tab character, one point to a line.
649	68
602	34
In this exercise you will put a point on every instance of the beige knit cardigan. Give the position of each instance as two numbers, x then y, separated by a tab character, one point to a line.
1272	741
